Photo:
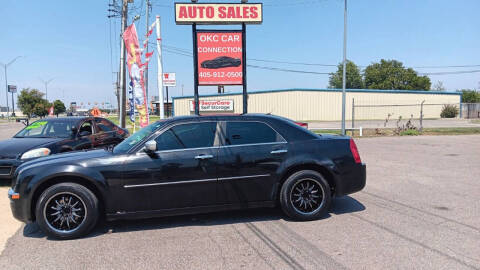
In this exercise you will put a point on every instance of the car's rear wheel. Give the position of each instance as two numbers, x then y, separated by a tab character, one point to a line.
305	195
67	210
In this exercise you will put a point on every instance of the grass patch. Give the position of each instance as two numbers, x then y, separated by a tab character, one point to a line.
451	131
410	132
382	132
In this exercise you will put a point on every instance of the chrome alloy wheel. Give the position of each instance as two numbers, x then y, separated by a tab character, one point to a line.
65	212
307	196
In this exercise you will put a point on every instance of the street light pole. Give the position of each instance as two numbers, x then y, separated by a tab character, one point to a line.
5	66
344	79
46	87
123	87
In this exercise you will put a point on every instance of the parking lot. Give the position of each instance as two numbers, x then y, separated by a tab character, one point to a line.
420	209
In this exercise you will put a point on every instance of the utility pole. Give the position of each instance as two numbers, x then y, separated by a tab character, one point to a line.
123	89
5	66
344	79
161	110
147	3
46	87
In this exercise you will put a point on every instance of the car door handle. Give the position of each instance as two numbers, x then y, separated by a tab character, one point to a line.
203	157
281	151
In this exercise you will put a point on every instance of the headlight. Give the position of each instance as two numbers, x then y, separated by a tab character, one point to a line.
39	152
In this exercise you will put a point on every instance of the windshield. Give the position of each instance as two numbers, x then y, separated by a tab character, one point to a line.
136	138
46	129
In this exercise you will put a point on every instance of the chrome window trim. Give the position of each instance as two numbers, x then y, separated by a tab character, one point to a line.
251	144
196	181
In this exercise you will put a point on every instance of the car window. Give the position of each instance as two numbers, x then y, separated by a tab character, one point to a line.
86	126
250	133
59	129
195	135
47	128
104	125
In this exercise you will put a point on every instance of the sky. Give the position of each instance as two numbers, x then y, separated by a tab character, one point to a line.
76	45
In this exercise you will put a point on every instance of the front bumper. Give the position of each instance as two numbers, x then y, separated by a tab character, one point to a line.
352	181
18	206
7	168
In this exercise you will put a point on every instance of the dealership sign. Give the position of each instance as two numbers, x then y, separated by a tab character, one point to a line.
220	60
218	13
12	88
213	105
169	79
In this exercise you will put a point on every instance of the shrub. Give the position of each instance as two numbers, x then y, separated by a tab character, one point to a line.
449	111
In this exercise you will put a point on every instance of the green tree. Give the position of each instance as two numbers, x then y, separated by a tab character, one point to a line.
354	77
470	96
41	108
28	99
391	74
58	107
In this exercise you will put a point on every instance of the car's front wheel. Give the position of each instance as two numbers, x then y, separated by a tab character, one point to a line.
305	195
67	210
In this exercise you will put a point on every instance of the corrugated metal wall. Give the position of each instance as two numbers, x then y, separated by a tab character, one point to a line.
325	104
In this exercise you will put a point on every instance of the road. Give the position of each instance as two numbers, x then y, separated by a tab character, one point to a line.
420	209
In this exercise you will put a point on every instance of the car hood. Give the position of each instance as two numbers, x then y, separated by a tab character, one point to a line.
71	157
13	147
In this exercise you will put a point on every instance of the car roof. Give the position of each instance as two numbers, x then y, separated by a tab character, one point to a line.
225	116
64	119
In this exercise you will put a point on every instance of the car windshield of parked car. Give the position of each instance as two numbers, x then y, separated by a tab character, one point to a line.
47	129
136	138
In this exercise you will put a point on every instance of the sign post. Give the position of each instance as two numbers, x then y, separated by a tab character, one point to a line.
12	89
219	56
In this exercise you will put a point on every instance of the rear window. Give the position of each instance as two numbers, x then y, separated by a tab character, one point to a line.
250	133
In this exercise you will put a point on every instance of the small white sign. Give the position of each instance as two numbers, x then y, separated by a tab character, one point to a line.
169	79
213	105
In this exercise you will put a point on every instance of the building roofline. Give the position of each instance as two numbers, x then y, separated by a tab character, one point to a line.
330	90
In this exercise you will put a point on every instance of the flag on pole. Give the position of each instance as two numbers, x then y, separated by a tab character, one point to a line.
50	111
134	63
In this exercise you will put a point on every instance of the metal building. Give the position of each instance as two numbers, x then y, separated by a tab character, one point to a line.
325	104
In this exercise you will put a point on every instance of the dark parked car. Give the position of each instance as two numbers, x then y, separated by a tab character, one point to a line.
187	165
221	62
57	135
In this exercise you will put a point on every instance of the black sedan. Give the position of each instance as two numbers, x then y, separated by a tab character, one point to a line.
56	135
189	165
221	62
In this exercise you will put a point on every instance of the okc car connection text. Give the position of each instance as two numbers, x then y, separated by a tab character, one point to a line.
219	58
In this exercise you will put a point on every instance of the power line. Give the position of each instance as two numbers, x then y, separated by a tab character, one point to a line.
450	72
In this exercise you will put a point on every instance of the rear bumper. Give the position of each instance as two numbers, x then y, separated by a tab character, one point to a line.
352	181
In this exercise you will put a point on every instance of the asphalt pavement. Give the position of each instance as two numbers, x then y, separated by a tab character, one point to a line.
419	210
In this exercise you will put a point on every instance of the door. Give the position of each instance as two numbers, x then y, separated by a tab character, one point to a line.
85	136
180	174
248	162
106	134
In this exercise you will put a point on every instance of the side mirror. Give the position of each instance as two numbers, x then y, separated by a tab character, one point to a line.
151	146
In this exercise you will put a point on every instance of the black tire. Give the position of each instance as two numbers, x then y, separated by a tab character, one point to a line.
305	195
67	203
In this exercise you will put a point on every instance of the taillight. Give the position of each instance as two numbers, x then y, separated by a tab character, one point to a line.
354	150
302	124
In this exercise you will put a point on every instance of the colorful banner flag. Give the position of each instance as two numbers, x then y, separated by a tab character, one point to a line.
134	63
50	111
